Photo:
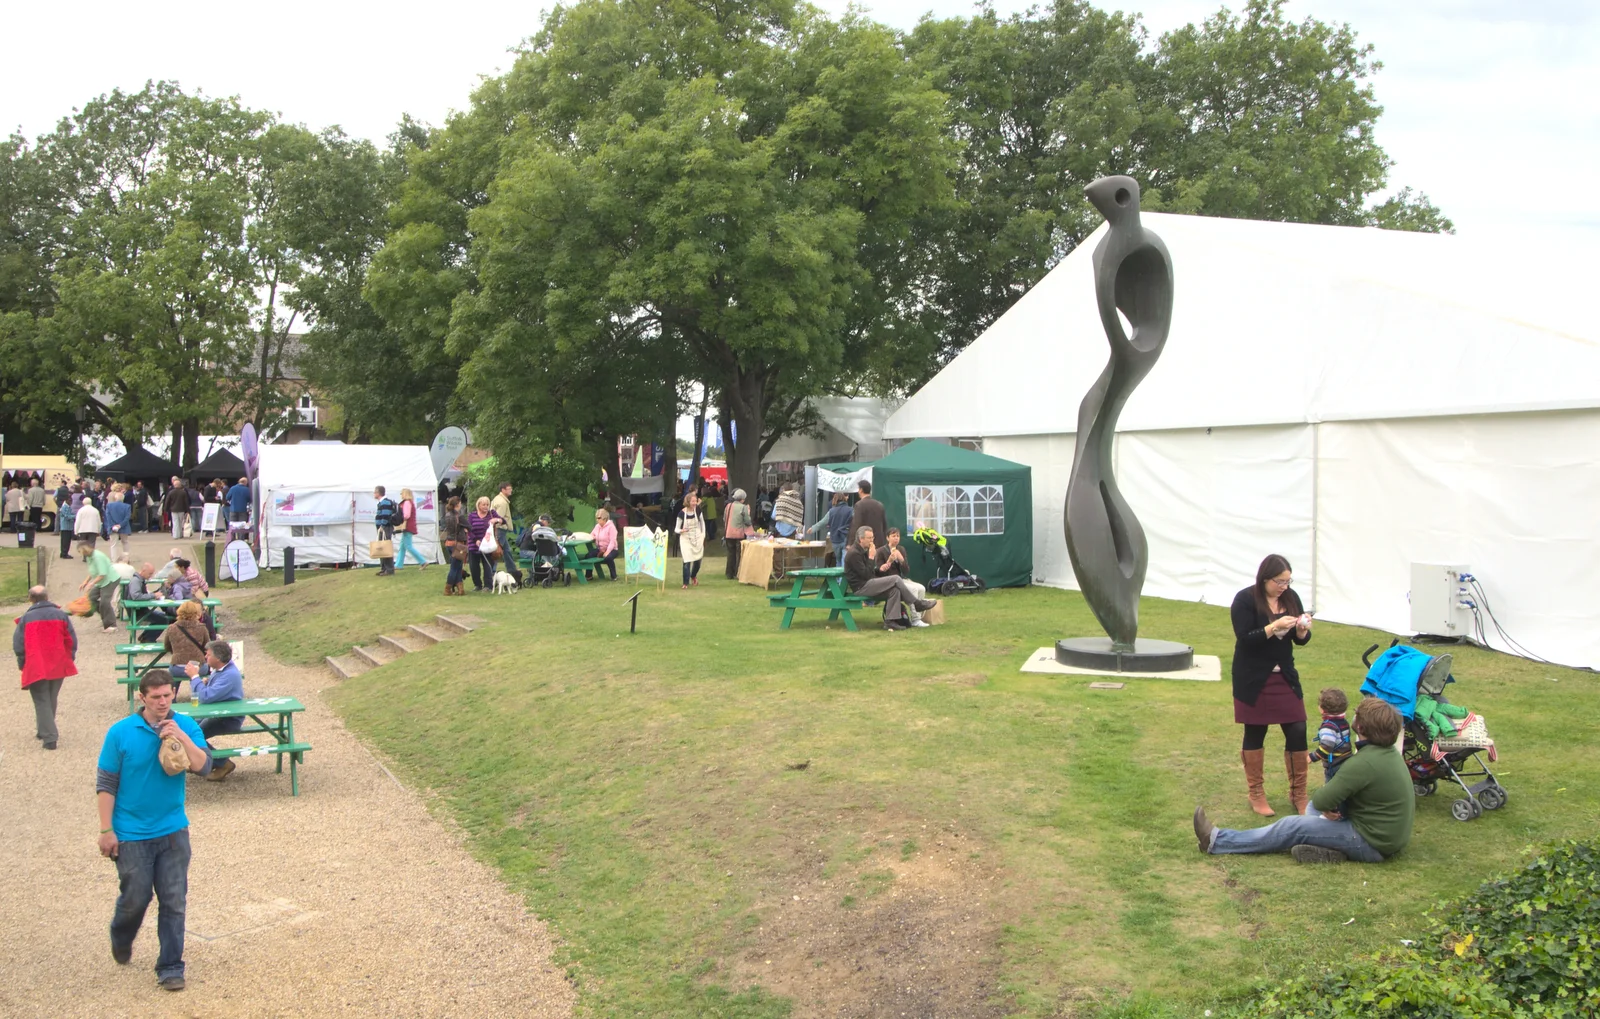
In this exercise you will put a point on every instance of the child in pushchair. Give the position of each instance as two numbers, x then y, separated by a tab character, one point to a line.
1441	740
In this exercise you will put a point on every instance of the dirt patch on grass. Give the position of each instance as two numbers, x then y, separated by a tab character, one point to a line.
895	921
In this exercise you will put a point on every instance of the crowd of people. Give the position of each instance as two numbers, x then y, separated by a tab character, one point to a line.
102	509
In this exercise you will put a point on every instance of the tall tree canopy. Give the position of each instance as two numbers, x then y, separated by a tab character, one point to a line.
153	250
672	192
1246	115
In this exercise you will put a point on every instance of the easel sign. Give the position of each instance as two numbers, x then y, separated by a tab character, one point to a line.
645	554
209	518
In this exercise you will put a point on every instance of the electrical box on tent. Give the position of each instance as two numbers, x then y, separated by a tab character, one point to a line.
1440	600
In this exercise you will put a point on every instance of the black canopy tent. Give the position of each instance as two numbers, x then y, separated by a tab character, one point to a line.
139	465
222	464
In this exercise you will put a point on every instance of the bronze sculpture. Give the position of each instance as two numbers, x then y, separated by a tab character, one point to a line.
1133	275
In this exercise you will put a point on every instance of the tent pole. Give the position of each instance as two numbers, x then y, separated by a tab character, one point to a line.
1316	505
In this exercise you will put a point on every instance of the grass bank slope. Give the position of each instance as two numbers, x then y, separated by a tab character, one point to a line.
720	818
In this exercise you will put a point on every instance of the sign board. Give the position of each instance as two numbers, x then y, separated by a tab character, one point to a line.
645	551
240	561
208	518
446	446
829	481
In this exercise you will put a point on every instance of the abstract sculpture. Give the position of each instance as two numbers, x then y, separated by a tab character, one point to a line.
1133	275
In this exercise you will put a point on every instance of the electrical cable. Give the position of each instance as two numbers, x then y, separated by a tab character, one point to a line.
1516	646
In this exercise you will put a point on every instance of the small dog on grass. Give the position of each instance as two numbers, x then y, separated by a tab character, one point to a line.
505	583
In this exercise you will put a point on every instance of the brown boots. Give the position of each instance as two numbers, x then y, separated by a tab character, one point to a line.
1296	764
454	589
1254	783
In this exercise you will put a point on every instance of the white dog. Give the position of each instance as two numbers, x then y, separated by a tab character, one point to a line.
505	583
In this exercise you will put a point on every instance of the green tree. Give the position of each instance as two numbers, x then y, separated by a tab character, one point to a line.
1408	210
1246	115
729	196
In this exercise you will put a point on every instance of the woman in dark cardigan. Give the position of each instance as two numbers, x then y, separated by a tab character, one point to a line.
1268	620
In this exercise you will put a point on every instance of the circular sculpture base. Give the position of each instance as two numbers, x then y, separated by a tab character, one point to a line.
1146	656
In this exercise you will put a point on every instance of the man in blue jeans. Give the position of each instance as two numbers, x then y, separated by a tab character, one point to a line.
143	826
1374	788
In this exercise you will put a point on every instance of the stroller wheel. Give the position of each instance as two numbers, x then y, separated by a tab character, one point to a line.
1422	788
1492	798
566	580
547	583
1465	809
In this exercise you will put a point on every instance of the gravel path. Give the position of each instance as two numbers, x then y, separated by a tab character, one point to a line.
348	900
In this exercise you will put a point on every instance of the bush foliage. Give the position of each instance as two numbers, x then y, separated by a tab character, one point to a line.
1520	946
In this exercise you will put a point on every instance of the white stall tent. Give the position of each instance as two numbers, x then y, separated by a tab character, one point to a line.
1355	399
318	498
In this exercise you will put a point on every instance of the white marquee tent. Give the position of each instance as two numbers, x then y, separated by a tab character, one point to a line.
852	429
318	498
1355	399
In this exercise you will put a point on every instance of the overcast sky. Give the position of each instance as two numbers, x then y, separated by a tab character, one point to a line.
1491	106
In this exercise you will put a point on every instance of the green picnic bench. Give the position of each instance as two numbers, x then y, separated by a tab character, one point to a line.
257	710
131	669
832	595
134	625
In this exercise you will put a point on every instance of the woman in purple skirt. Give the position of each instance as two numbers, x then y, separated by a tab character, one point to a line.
1268	621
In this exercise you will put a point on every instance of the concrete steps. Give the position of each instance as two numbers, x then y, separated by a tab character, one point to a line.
392	647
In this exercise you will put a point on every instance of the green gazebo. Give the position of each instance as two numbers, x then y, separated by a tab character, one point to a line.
983	505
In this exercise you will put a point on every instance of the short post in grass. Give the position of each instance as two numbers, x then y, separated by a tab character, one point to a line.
633	620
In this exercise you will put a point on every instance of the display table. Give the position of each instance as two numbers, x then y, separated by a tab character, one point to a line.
763	560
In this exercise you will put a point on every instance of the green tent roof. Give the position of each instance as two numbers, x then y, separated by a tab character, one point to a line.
932	459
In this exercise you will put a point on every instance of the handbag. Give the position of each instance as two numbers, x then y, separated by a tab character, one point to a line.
188	526
381	549
488	546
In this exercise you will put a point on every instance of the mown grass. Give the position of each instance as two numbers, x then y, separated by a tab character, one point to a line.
634	788
14	563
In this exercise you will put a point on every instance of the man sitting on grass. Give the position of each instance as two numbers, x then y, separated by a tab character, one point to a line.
1374	788
869	579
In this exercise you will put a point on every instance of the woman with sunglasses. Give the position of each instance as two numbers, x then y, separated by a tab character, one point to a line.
1268	621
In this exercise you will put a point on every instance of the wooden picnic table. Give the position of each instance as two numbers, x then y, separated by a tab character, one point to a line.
258	710
832	595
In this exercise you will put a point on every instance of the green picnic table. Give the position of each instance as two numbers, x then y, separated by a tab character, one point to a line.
258	710
131	670
832	595
134	625
578	556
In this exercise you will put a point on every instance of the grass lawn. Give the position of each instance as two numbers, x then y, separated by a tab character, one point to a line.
14	575
719	818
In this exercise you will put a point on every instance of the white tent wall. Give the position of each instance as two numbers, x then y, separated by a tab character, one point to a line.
1511	496
318	498
1352	505
1212	503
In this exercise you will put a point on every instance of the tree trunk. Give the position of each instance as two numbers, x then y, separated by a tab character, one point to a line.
746	399
191	444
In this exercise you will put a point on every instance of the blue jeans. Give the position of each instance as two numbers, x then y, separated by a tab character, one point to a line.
838	553
405	547
456	566
1308	829
784	530
159	866
609	561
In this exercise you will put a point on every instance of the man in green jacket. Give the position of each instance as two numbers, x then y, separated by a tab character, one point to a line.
1372	793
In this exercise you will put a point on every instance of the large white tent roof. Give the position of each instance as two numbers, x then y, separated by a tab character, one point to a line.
316	467
1276	323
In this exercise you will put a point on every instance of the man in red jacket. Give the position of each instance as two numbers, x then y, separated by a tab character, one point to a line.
45	644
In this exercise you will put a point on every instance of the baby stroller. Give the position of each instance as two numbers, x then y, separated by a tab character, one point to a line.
546	569
948	575
1400	676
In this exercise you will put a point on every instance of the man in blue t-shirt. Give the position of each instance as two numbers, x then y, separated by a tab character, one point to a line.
142	823
239	501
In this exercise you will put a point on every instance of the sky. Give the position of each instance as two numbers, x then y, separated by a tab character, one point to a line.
1491	107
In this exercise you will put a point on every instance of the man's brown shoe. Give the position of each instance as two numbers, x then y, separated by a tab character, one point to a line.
1204	830
221	770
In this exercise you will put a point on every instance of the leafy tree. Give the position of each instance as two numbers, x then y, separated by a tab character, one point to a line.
1408	210
1246	115
666	193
